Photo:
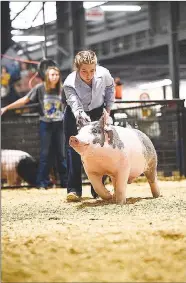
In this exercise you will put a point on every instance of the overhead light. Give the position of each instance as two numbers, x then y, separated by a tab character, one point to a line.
155	84
120	8
16	32
89	5
28	38
20	52
34	47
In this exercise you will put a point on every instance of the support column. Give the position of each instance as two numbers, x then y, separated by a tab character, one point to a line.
174	47
6	27
70	30
78	26
164	92
65	48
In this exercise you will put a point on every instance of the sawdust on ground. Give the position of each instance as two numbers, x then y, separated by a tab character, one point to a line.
46	239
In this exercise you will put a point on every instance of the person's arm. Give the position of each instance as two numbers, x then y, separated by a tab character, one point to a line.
109	92
77	108
20	102
73	100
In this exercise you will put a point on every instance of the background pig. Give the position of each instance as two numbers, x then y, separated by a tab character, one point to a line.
121	153
17	165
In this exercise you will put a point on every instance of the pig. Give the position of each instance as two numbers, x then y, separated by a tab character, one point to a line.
17	165
121	153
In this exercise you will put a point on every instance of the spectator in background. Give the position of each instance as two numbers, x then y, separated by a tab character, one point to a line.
118	88
5	79
88	90
24	72
49	96
24	76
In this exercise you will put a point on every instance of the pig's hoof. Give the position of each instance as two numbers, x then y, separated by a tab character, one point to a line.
114	198
121	202
157	195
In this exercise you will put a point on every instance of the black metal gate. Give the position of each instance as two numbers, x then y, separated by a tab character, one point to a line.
164	121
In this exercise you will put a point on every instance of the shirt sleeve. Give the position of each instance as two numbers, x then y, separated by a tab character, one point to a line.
72	100
32	95
109	90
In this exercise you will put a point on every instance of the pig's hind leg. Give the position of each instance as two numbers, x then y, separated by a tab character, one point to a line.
151	175
96	181
113	179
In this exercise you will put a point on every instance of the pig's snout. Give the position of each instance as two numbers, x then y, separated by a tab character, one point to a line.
73	141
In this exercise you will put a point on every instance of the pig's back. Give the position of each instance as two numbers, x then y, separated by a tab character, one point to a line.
129	137
138	147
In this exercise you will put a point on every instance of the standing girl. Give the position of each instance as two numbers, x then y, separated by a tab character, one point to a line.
48	95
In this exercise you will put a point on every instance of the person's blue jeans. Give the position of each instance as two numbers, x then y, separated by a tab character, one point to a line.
51	139
74	181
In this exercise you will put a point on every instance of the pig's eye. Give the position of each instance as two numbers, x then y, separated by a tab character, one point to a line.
94	131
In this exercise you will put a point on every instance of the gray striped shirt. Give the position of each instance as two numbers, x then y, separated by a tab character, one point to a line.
81	96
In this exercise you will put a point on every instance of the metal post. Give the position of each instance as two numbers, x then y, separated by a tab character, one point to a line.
164	92
174	47
78	25
44	31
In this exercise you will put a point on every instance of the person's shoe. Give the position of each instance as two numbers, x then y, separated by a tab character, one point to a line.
41	188
93	193
73	197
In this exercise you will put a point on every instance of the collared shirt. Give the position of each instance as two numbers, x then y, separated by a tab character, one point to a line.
81	96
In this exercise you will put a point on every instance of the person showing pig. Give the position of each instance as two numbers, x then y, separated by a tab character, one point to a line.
88	90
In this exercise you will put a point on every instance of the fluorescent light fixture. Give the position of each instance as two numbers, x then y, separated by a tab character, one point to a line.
20	52
28	38
49	43
89	5
155	84
120	8
16	32
34	47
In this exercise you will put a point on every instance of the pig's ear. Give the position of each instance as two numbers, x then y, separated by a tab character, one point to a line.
104	120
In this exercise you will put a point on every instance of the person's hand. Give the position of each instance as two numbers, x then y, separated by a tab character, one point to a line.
3	110
110	121
108	118
82	119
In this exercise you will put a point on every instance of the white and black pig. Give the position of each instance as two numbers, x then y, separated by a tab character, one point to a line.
17	165
121	153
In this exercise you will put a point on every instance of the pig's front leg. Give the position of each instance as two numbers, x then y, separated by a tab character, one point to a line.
121	184
96	181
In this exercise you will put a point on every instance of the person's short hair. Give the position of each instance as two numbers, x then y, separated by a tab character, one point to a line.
84	57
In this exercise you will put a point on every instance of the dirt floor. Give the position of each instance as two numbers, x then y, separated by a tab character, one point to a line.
46	239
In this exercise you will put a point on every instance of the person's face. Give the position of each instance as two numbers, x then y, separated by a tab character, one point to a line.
53	76
3	70
87	72
23	66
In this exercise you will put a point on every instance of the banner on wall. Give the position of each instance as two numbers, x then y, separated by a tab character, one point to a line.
95	14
